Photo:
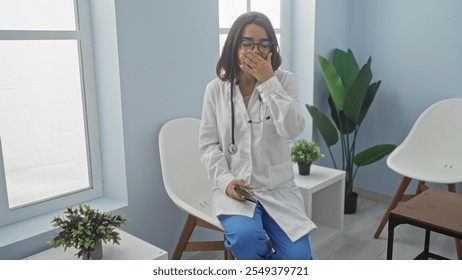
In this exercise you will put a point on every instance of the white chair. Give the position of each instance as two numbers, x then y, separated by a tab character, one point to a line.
187	183
432	152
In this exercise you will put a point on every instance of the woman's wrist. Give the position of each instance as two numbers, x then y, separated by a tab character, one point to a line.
264	80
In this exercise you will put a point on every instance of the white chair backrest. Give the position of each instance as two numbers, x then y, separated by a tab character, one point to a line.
434	144
185	178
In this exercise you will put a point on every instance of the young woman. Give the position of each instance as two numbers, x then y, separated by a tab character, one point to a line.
250	113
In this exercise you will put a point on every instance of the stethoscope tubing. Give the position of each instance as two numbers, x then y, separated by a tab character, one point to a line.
232	148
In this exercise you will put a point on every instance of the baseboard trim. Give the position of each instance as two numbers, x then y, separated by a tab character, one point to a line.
372	195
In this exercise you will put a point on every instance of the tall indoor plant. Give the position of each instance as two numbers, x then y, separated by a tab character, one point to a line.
350	95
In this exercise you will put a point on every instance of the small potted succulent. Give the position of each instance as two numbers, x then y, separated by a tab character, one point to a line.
85	229
304	152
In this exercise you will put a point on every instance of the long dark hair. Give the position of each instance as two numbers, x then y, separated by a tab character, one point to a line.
228	64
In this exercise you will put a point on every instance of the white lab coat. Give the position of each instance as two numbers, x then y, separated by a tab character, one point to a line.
263	157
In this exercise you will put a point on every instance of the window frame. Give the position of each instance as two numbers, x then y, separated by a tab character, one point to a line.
83	34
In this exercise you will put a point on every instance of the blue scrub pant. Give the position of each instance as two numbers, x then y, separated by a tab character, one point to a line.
247	238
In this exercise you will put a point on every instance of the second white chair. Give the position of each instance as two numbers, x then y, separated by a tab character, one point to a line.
432	152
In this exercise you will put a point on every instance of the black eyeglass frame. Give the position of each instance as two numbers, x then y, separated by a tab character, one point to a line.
270	47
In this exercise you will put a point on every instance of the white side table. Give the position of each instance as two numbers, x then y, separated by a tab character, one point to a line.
323	191
130	248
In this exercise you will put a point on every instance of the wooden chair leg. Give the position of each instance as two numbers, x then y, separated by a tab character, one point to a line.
229	255
421	187
396	198
452	188
459	249
188	228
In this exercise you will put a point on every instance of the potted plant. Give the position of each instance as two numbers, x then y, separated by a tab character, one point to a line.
85	229
350	95
304	152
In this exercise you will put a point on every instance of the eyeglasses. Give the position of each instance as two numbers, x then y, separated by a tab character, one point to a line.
263	47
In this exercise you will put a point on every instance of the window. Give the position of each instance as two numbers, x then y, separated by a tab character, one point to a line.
229	10
50	155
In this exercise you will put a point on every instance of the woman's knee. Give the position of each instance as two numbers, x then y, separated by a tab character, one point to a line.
248	244
245	239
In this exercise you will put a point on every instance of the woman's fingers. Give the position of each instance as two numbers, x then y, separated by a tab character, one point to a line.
254	64
232	193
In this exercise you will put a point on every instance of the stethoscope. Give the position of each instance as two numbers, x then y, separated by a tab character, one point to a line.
232	147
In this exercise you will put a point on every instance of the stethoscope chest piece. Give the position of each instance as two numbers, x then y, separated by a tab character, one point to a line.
232	148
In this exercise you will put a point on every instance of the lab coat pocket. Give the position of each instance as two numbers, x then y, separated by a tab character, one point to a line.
269	129
280	173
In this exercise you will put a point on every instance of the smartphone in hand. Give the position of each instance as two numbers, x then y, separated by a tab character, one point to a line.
245	194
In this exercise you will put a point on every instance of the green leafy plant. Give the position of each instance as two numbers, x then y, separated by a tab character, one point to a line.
304	152
350	95
83	226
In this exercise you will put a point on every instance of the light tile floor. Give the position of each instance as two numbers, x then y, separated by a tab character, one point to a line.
357	241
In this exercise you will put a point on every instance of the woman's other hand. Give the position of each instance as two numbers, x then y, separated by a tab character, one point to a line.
232	193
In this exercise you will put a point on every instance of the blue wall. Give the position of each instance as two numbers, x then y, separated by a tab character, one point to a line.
331	31
415	48
167	52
